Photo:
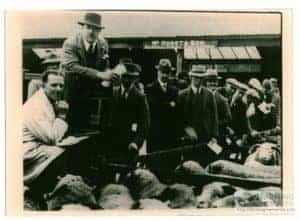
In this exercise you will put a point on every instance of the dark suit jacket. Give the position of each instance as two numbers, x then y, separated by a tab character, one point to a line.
81	80
163	116
224	113
208	116
239	122
129	119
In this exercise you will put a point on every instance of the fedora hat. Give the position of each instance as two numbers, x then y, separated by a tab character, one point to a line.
92	19
255	84
165	65
213	74
132	69
198	71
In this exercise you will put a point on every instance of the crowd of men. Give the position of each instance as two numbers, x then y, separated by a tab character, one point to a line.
160	115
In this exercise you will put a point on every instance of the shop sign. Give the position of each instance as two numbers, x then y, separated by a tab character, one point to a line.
177	44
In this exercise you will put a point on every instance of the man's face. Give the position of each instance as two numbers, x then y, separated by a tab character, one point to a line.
90	33
54	87
274	84
196	81
162	76
212	84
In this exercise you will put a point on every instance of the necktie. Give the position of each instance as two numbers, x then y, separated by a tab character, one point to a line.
90	48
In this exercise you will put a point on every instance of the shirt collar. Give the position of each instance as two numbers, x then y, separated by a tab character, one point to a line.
162	84
87	44
195	89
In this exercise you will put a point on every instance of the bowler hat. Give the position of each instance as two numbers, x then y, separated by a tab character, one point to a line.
132	69
165	65
198	71
92	19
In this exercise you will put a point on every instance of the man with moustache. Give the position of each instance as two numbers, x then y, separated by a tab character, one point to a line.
85	63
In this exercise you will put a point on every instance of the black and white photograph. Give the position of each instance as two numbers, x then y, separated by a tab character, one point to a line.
127	110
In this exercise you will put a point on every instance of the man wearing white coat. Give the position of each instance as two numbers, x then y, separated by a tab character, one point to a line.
43	127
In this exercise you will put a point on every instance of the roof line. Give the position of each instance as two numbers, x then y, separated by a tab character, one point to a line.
230	36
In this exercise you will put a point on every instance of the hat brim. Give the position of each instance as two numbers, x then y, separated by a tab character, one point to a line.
257	88
199	75
133	74
214	77
159	67
91	24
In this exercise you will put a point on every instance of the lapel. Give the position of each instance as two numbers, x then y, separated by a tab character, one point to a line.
132	94
100	49
203	99
48	107
188	100
117	94
81	49
158	89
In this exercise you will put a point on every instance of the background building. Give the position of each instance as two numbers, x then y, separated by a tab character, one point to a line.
240	45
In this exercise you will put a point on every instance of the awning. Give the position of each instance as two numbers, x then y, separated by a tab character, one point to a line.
221	53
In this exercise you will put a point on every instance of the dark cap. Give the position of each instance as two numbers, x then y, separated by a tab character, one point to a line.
165	65
132	69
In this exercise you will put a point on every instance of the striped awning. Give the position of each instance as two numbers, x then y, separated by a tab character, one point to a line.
221	53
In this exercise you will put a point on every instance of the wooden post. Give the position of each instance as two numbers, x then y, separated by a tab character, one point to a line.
179	61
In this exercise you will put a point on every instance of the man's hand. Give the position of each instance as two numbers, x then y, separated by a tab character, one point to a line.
132	147
107	75
213	140
254	134
62	108
71	140
191	133
119	69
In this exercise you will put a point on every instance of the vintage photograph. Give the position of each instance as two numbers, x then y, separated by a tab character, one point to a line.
151	110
